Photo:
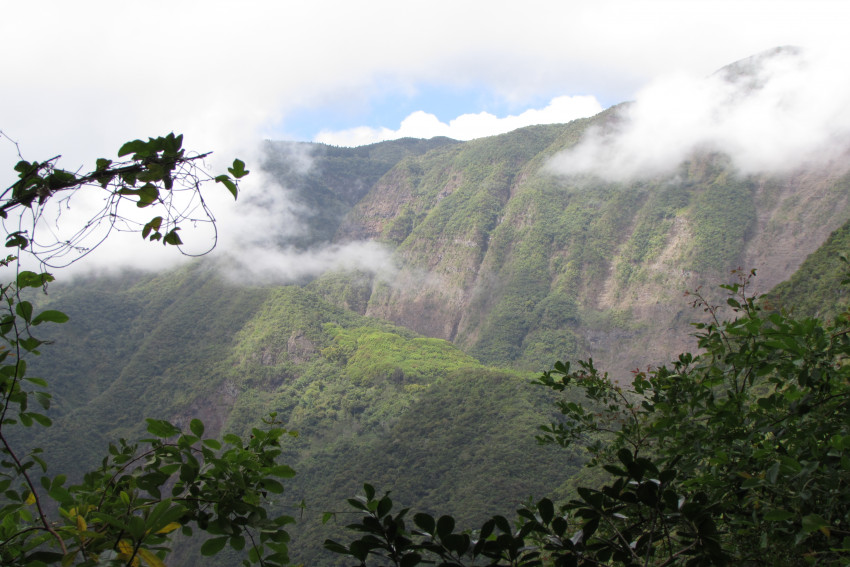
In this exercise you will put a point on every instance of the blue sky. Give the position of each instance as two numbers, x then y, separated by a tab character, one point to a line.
390	107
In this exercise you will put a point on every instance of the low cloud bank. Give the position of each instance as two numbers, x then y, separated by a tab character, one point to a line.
257	265
254	234
247	242
467	126
773	112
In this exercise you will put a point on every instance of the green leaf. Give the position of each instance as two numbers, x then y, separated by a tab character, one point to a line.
147	193
384	506
425	522
546	509
238	170
232	439
197	427
42	420
171	237
132	147
16	240
272	486
778	516
154	225
161	428
237	542
30	343
283	471
227	182
445	526
813	522
214	545
51	316
24	309
32	279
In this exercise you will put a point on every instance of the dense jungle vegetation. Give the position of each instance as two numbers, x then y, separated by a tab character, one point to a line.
735	454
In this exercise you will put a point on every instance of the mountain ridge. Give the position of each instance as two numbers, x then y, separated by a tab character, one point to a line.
518	267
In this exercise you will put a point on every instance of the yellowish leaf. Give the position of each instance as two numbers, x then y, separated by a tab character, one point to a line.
125	547
150	558
169	528
30	499
125	551
81	524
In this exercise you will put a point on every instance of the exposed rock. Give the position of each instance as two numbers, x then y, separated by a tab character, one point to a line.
300	348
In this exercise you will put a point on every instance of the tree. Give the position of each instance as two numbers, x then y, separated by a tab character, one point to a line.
154	174
737	455
126	511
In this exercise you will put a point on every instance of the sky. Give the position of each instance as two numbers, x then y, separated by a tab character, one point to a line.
83	77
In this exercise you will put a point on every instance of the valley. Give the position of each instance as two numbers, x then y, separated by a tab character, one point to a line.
418	381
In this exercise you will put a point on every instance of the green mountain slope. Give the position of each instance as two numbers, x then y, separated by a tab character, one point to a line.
419	382
371	401
815	290
518	265
327	181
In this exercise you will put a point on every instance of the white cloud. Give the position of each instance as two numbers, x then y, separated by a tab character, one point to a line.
251	233
421	124
81	78
263	265
785	110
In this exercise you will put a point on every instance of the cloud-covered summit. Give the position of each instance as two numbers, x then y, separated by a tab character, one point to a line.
773	112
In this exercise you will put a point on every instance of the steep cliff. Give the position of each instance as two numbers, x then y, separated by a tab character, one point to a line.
520	266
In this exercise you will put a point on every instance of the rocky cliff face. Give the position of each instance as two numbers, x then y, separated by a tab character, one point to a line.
519	266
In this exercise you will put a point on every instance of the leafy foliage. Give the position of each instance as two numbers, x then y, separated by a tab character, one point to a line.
126	511
738	455
153	175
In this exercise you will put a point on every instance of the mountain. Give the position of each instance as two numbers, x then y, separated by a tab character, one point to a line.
328	180
520	267
371	401
418	382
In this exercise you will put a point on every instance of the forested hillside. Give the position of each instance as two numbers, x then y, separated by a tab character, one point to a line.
369	399
419	381
519	266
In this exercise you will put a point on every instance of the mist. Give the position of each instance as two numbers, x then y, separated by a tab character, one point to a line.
227	76
772	113
253	236
248	240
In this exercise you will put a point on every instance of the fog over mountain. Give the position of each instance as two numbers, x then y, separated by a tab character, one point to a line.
392	301
304	72
770	113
